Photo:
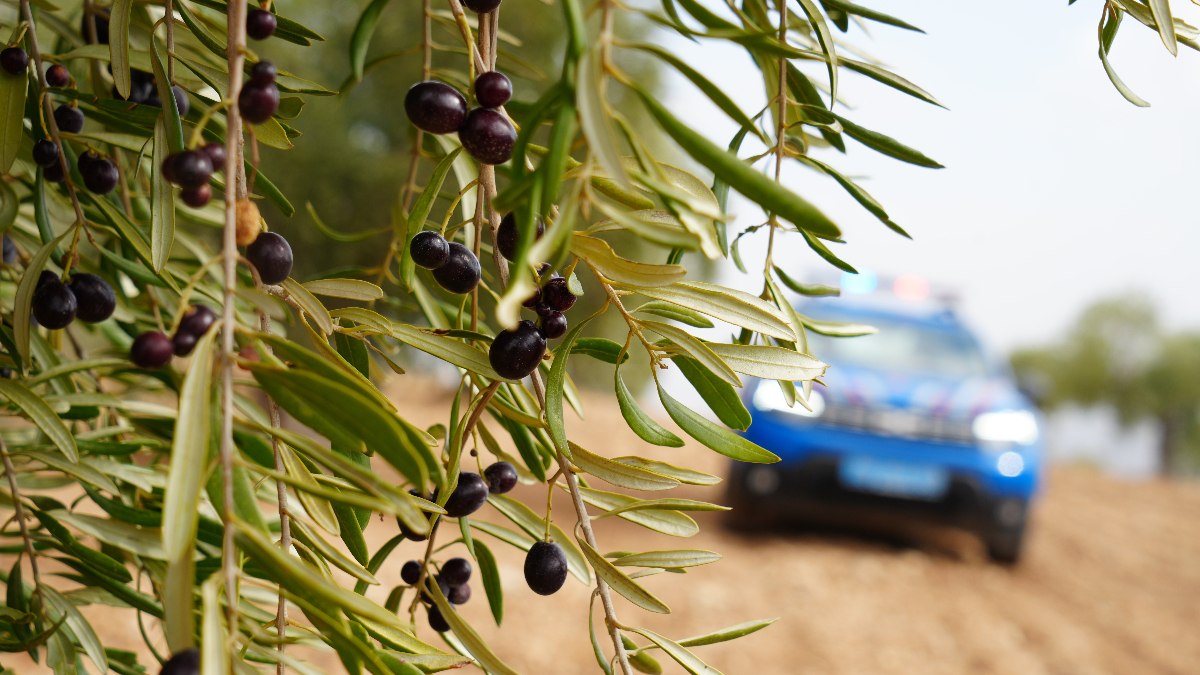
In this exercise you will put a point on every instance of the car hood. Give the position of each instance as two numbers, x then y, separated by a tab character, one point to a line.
932	395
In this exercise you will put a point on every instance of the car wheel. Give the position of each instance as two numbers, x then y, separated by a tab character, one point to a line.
743	515
1005	538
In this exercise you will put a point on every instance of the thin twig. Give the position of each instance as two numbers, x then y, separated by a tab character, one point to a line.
19	514
409	191
234	190
487	178
281	499
48	112
780	130
170	16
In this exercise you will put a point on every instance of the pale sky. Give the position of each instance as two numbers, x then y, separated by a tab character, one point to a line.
1056	190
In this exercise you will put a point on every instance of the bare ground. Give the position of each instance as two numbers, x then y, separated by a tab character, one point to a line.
1110	584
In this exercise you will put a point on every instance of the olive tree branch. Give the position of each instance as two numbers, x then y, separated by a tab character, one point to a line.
19	514
479	405
281	499
235	188
780	131
52	127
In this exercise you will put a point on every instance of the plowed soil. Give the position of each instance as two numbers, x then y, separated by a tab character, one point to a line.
1110	583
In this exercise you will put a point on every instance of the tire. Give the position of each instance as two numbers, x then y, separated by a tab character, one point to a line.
1004	542
741	516
1004	546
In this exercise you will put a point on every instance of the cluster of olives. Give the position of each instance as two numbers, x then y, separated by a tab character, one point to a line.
454	266
15	61
153	349
470	494
100	174
452	582
259	98
86	297
143	88
515	353
485	132
192	170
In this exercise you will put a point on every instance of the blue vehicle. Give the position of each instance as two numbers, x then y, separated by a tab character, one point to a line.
913	421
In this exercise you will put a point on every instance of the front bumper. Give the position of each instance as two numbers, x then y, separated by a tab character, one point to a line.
813	489
807	481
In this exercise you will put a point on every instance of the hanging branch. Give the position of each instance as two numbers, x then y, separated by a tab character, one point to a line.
19	514
235	189
52	126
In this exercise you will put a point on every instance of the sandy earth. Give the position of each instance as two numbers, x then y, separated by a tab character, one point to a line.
1110	584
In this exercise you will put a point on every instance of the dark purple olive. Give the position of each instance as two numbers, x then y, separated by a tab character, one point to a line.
100	174
501	477
260	24
436	620
44	278
488	136
197	321
271	255
53	173
182	103
68	119
516	353
507	234
429	249
54	305
557	296
151	349
216	155
493	89
410	572
468	497
545	568
263	73
45	153
184	343
191	168
196	197
57	75
461	271
459	595
456	571
435	107
14	60
94	298
553	325
258	102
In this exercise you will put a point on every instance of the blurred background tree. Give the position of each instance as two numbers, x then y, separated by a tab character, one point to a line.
1118	354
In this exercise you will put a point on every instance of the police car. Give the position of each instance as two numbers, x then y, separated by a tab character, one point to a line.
916	421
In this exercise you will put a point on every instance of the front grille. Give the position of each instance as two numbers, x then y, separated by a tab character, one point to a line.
898	422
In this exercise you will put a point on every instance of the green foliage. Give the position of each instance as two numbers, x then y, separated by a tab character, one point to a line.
1117	354
182	495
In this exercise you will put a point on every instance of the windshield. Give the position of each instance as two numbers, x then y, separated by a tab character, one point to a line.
906	347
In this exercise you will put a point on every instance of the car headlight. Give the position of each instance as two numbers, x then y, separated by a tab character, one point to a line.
1006	426
768	396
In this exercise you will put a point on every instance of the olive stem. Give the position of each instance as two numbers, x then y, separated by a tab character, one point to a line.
234	189
51	123
281	499
19	514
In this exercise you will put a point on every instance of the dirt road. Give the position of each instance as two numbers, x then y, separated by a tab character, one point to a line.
1110	584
